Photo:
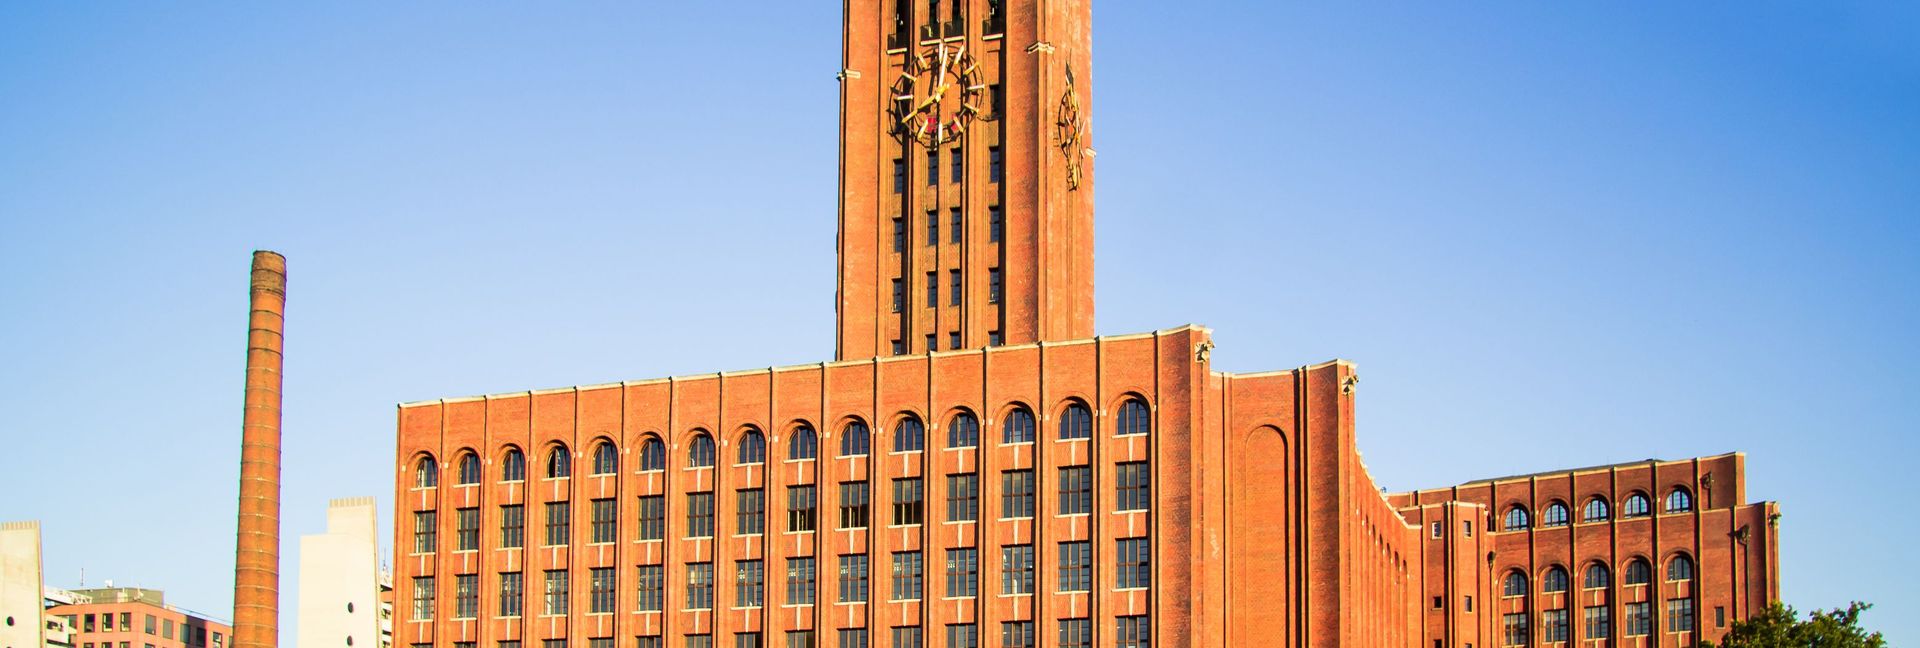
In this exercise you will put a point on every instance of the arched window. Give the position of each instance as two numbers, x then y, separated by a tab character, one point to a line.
909	435
1554	581
1679	501
1636	505
804	445
1019	427
1076	422
469	469
1133	418
559	463
513	467
753	447
1516	584
1638	572
700	452
963	431
426	472
1680	568
606	459
1517	519
1597	576
854	440
653	454
1554	516
1594	511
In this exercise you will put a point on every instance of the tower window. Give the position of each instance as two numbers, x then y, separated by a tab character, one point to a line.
933	167
899	235
993	164
955	227
933	229
957	165
899	176
899	295
994	338
996	224
993	286
933	290
899	348
953	290
930	341
953	340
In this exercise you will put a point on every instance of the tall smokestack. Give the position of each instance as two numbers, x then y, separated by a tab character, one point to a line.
256	565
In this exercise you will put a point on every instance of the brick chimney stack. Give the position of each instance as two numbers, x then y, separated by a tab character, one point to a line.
256	569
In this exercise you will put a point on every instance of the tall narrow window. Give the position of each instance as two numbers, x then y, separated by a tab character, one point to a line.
906	576
555	602
853	505
994	164
899	175
606	521
466	596
963	431
1132	632
469	469
653	517
652	588
514	466
800	581
804	445
1016	569
1019	427
993	285
853	578
899	295
753	448
957	164
1076	490
933	167
600	590
963	497
963	572
700	586
801	508
1133	419
1135	566
700	451
700	515
1076	566
467	528
422	598
558	515
426	473
996	224
1076	422
908	507
750	511
1135	491
653	455
606	459
425	531
513	524
899	234
749	583
953	289
854	440
512	594
933	291
956	225
909	435
1016	494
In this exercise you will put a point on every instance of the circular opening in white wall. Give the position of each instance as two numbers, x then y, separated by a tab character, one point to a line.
349	608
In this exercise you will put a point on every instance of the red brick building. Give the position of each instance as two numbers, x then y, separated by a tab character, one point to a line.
128	617
977	469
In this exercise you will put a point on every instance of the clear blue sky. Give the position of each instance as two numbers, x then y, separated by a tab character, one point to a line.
1551	235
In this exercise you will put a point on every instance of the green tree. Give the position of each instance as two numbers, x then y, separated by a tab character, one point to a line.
1780	626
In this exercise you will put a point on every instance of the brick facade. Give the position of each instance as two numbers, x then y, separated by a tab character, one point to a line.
1216	509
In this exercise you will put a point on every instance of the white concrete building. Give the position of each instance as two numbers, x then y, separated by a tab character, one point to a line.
340	580
22	603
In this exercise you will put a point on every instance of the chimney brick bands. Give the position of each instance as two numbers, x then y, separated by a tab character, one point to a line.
256	571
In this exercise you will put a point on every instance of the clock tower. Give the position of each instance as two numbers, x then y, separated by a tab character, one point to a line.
966	175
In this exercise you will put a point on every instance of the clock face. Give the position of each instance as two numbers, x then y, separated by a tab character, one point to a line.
937	95
1067	132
